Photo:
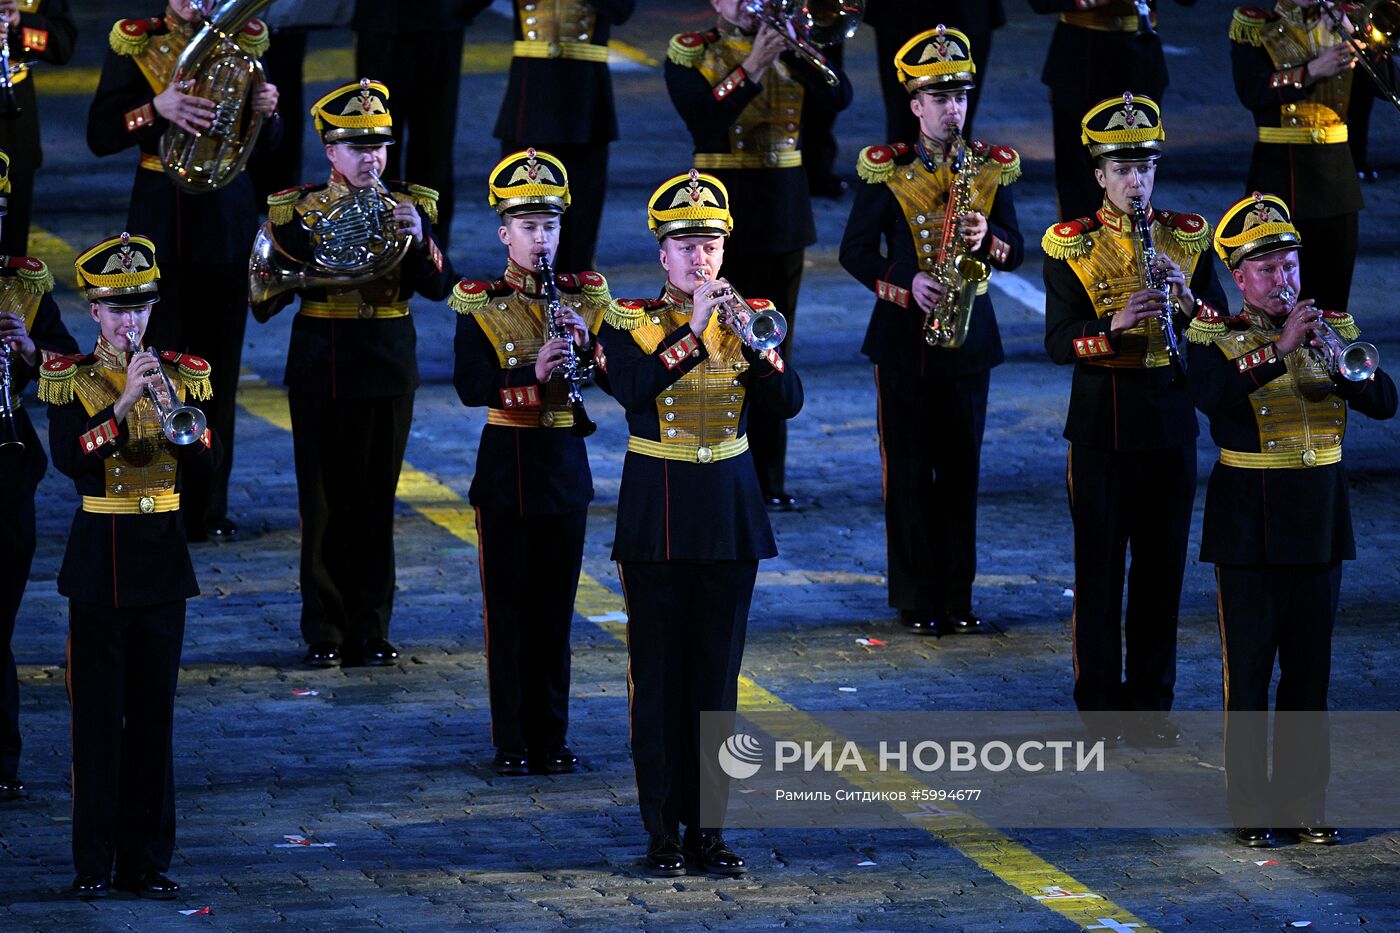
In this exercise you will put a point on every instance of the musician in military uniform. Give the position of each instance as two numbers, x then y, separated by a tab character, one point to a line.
202	236
1294	75
40	31
932	399
691	525
1278	413
532	484
742	94
31	331
351	366
559	97
1131	427
127	571
1099	47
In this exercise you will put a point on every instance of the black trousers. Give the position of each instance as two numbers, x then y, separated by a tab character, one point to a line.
819	129
1286	612
686	623
529	575
900	123
122	668
422	71
777	277
203	310
587	166
1137	500
348	454
930	455
17	539
1326	266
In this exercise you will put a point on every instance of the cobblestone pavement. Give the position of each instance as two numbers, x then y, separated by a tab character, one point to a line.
386	771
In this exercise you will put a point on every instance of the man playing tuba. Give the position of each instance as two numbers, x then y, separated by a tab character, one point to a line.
353	252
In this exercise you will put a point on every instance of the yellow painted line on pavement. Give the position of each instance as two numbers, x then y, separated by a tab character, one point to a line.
57	253
986	846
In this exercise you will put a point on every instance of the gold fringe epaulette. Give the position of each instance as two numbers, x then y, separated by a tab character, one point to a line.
281	207
626	313
56	379
253	38
193	372
595	288
686	48
1206	326
129	36
1192	231
875	164
1067	240
1009	160
1247	25
1343	323
426	198
33	275
469	296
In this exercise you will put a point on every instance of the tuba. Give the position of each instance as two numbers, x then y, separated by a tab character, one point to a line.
956	269
226	76
811	25
353	241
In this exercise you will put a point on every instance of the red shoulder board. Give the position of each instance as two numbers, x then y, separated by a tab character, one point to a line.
1208	315
1336	316
59	363
196	365
640	304
24	262
255	29
566	280
689	40
473	287
879	155
1254	13
590	278
294	189
136	28
1076	227
1002	155
759	304
1352	7
1187	223
900	148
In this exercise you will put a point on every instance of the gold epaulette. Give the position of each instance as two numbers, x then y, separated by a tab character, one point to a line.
687	48
281	207
129	36
1009	160
875	164
470	296
626	313
590	284
253	38
1068	240
1206	326
1192	231
426	198
56	379
1247	25
193	372
33	275
1343	323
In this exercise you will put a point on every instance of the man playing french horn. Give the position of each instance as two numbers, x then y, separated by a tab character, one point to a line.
353	252
939	204
201	225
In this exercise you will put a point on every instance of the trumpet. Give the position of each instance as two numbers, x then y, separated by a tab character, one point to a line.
181	424
1356	361
9	431
757	330
810	25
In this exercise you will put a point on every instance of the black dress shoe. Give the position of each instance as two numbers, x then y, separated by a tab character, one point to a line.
1152	732
1319	835
664	856
780	502
511	764
707	850
1256	838
962	623
11	787
560	761
90	886
920	622
152	886
323	654
222	529
379	653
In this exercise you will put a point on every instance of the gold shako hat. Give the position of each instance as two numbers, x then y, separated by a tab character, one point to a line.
693	204
1253	227
356	114
120	271
529	182
937	59
1125	129
4	183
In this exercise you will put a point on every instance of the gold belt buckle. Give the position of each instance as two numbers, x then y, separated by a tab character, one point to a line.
1309	457
771	158
555	49
704	455
366	310
146	504
547	419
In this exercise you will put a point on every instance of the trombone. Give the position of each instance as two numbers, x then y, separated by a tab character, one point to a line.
181	424
808	26
757	330
1378	30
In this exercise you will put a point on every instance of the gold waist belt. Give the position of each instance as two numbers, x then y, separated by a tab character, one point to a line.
1282	459
1151	359
578	51
151	162
780	158
530	419
132	505
689	453
1104	22
1303	135
361	312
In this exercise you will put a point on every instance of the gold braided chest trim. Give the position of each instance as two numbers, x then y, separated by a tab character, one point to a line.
1297	411
923	198
769	124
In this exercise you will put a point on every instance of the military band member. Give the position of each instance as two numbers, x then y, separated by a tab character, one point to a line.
560	97
1097	50
351	375
126	572
1279	415
1131	427
532	484
31	331
932	400
742	94
1295	77
691	525
40	31
202	237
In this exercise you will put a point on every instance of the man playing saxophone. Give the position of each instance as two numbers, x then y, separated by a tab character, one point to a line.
351	366
1131	427
202	236
932	397
532	484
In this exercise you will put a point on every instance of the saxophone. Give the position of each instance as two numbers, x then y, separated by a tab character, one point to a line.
956	269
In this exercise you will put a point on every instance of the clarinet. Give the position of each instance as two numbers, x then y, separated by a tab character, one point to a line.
9	432
571	370
1153	278
9	105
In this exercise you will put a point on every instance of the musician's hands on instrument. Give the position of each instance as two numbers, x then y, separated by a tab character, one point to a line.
927	291
1142	304
1175	277
577	329
265	99
1298	328
973	228
767	46
13	332
708	298
1331	61
410	224
142	373
550	356
189	113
